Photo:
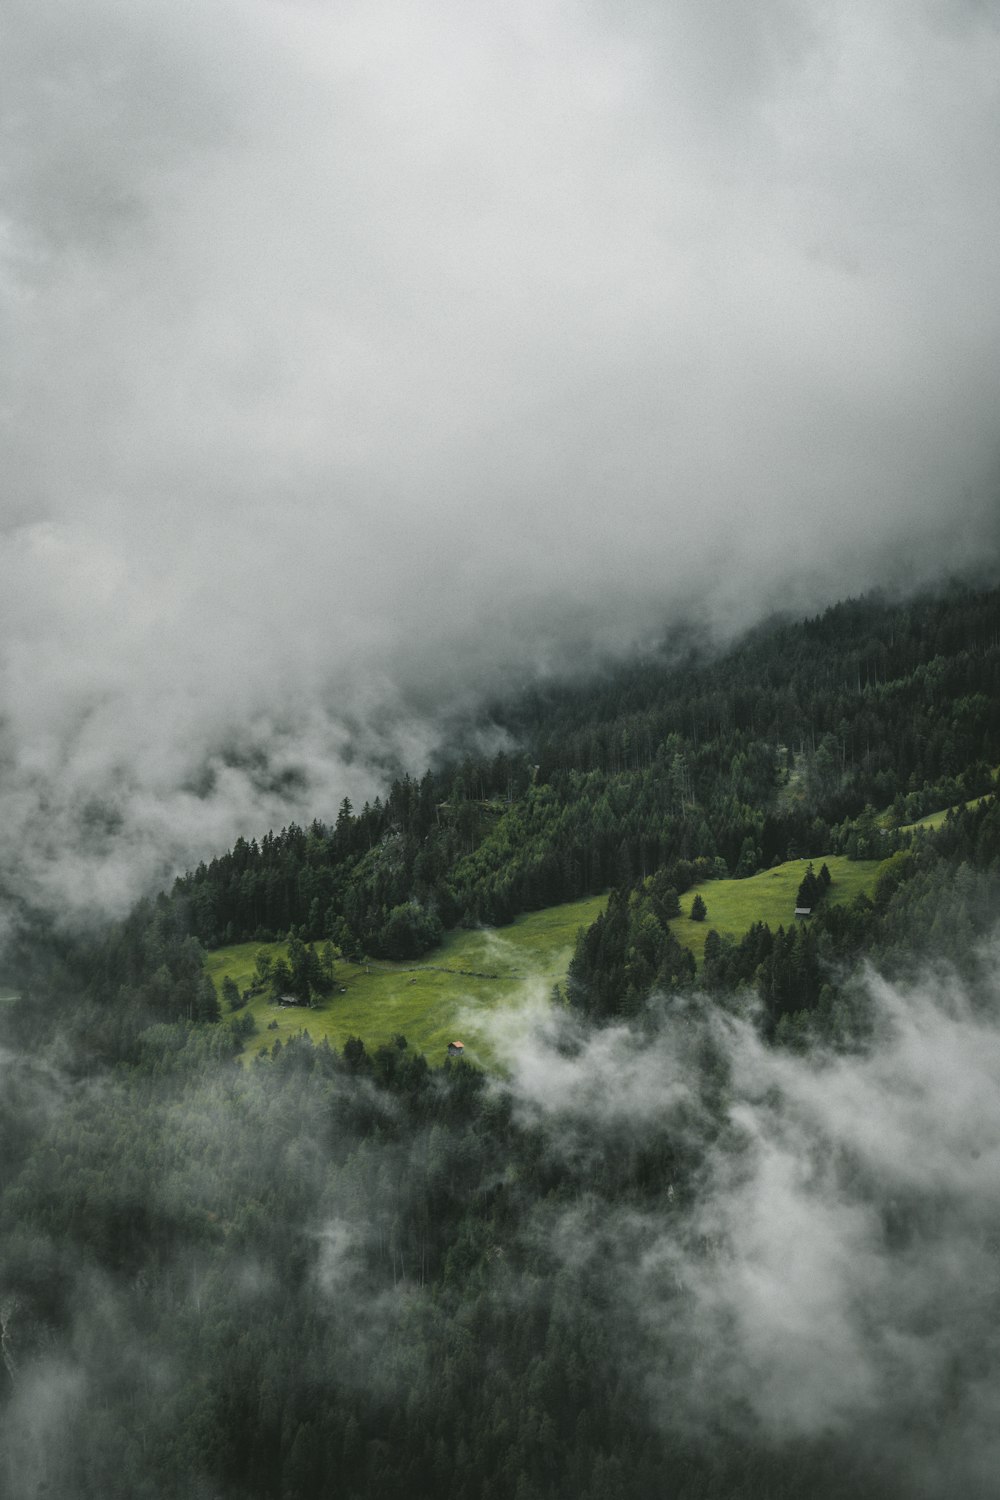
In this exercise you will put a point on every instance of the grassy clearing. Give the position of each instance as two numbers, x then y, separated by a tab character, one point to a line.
427	999
734	905
935	819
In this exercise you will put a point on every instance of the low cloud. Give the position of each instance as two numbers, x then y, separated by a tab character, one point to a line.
362	361
823	1268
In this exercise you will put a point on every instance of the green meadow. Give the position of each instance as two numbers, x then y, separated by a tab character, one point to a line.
934	820
449	993
734	905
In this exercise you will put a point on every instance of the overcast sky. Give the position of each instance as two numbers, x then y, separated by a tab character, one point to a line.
362	355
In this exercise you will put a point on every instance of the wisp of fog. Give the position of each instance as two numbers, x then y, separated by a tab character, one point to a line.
829	1272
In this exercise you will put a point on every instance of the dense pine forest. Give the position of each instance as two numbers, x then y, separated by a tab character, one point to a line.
725	1230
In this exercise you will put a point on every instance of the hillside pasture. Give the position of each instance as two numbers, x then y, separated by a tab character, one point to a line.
426	1000
935	819
735	905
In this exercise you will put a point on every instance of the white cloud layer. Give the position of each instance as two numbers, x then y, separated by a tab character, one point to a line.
363	356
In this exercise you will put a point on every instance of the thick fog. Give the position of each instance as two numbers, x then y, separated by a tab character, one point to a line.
358	360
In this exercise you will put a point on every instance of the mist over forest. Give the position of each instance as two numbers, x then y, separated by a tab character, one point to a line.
796	1289
363	362
463	469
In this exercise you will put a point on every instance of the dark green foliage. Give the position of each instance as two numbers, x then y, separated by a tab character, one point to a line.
811	889
773	749
231	993
281	978
699	911
408	931
628	952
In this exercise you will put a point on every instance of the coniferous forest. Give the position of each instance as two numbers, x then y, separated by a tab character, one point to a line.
716	1230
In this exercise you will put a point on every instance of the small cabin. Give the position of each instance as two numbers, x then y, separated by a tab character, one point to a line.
456	1049
801	912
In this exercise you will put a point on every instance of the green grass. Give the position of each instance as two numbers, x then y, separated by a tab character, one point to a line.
734	905
935	819
448	993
